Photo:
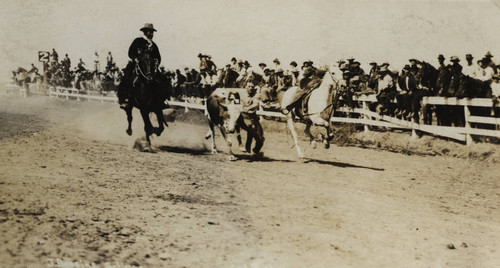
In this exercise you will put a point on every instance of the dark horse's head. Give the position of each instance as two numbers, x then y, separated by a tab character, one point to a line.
145	68
146	89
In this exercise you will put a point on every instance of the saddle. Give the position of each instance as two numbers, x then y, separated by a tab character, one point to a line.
308	89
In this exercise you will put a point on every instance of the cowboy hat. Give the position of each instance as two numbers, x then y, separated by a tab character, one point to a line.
488	55
383	68
276	60
262	64
468	56
148	26
200	55
440	57
293	63
454	59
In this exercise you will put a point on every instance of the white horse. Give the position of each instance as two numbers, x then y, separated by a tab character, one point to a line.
321	102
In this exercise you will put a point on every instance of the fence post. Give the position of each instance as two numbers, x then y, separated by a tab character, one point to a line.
185	107
413	132
365	107
468	137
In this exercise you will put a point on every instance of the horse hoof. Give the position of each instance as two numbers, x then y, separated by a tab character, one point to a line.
327	145
313	144
129	132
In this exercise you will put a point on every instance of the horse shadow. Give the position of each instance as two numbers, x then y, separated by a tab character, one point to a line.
183	150
253	158
339	164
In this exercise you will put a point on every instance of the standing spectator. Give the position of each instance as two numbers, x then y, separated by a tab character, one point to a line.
81	65
469	68
55	56
66	62
294	72
96	62
109	60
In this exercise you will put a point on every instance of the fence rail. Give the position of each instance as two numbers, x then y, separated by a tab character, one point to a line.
365	117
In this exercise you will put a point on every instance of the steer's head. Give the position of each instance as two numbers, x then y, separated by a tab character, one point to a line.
231	115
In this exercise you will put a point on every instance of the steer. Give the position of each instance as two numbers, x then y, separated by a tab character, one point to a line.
223	111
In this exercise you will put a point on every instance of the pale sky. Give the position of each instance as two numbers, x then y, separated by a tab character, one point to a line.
254	30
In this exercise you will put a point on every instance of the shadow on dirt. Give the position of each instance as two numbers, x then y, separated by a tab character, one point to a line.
183	150
252	158
338	164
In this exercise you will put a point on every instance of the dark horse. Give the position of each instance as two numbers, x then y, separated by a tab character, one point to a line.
148	95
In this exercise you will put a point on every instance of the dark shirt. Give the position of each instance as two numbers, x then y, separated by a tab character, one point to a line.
141	45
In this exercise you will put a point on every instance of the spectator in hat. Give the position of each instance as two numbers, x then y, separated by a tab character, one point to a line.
456	68
277	63
355	68
487	59
373	69
386	89
413	66
294	72
483	71
469	68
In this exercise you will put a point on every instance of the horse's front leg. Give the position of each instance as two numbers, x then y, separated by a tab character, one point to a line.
294	135
161	122
128	111
148	128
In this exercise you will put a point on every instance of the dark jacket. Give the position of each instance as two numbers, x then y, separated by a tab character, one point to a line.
141	45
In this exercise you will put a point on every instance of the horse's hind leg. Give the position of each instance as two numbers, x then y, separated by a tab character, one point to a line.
128	111
307	130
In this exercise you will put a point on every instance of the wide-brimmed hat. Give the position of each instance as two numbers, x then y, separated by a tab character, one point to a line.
488	55
468	56
200	55
279	70
454	59
383	68
293	63
373	63
148	26
413	59
385	64
276	60
440	57
247	64
233	59
262	64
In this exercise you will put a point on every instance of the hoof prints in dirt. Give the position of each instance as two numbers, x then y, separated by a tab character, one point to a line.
190	200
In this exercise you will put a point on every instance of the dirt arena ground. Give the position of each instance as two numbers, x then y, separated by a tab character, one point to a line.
74	192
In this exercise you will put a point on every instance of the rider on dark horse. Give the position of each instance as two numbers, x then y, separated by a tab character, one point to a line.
139	48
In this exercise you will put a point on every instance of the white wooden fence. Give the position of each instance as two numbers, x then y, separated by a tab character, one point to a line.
366	118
